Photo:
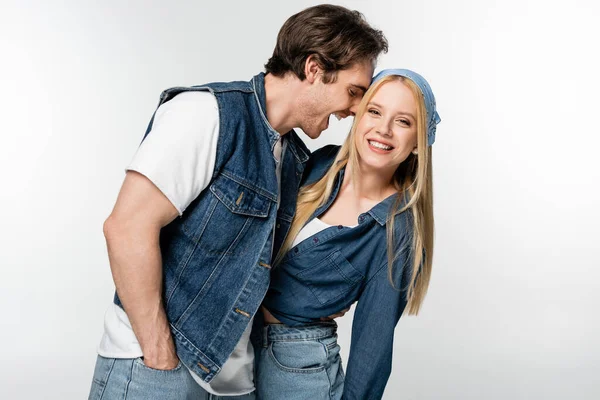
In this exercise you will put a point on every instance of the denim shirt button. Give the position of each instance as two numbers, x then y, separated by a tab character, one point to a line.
316	240
340	227
361	218
295	249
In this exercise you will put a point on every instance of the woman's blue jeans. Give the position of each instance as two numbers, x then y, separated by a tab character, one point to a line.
299	363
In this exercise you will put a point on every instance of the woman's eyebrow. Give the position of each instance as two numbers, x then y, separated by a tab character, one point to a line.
372	103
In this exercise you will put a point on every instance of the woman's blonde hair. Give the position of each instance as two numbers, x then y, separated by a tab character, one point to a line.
412	180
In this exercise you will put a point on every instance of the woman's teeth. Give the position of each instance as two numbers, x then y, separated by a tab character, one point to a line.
379	145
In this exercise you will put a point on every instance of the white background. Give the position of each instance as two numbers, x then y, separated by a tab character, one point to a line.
512	307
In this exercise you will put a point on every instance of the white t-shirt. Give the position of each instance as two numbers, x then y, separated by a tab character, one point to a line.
178	156
313	227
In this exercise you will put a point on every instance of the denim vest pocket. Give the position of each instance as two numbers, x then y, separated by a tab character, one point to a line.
231	223
239	198
330	278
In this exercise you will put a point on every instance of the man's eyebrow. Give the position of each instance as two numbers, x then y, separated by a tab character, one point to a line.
364	89
372	103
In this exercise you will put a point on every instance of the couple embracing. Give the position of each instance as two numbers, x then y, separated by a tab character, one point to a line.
233	248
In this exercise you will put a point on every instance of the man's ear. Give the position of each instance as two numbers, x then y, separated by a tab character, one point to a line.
312	70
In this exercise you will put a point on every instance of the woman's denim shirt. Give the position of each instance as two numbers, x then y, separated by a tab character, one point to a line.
332	269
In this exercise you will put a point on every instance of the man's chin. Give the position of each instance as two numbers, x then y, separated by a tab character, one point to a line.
314	134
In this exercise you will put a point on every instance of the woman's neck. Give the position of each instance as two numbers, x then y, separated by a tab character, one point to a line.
369	184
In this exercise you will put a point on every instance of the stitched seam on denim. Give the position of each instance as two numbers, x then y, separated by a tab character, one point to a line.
300	158
339	269
187	310
181	320
308	327
194	236
196	241
217	171
228	90
309	244
219	336
288	369
241	181
141	364
245	283
128	381
326	374
189	257
102	381
284	216
112	365
344	291
299	339
331	345
236	209
194	349
262	114
325	260
384	265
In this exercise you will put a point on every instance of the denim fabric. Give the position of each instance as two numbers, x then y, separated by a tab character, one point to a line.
217	255
130	379
300	363
332	269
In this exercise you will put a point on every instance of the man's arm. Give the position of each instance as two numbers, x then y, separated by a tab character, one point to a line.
132	236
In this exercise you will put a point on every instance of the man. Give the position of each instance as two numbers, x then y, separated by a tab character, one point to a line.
207	201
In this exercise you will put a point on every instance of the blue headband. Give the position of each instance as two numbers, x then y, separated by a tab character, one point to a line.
433	117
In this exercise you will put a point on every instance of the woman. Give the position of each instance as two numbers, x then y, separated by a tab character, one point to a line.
363	231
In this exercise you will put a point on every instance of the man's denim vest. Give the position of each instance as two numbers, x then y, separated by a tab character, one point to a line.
217	255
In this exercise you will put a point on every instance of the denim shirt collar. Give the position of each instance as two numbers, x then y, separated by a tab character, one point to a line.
379	212
298	147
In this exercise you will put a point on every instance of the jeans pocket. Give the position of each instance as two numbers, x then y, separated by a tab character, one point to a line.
139	361
308	356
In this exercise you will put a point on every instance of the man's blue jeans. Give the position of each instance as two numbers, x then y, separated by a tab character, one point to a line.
130	379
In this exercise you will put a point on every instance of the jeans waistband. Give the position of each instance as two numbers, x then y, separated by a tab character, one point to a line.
281	332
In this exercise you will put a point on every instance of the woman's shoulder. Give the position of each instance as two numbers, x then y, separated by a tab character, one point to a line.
319	162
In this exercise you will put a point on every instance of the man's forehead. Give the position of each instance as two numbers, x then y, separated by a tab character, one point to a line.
360	76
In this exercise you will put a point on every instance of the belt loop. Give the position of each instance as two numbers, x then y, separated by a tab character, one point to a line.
266	336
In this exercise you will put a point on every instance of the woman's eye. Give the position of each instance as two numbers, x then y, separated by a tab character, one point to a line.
374	112
404	122
352	93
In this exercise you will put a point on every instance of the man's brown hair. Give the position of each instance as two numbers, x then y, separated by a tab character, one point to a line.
335	36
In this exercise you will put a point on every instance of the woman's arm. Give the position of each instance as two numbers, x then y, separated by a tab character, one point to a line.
378	310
